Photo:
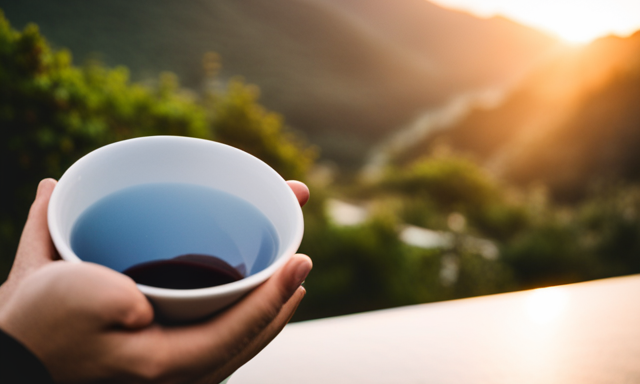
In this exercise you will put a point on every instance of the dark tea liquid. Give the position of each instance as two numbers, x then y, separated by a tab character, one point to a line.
186	272
140	230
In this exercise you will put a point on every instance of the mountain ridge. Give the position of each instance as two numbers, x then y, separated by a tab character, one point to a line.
331	77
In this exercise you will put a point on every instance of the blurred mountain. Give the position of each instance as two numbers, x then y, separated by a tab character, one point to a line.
345	72
574	121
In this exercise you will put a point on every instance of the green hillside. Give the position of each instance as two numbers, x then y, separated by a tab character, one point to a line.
345	72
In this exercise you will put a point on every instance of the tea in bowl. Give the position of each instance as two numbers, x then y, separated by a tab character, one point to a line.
197	224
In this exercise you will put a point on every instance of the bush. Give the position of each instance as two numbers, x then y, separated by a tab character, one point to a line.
452	183
238	120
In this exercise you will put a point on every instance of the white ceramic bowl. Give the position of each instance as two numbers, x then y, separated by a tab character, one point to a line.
162	159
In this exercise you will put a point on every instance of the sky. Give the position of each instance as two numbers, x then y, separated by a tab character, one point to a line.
576	21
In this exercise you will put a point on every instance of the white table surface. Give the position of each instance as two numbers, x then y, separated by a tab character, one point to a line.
583	333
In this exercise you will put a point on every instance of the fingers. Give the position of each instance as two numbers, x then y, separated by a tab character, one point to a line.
262	306
111	296
300	190
132	310
234	331
266	336
36	248
96	292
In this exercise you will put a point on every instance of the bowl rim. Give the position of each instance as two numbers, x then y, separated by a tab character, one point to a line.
284	253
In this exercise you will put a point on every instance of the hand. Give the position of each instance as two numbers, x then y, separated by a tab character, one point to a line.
88	323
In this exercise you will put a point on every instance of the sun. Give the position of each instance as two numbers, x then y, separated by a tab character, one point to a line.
577	31
574	21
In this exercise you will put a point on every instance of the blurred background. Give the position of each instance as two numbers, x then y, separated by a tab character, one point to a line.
453	148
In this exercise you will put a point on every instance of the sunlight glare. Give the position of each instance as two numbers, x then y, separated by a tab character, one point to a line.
575	21
546	304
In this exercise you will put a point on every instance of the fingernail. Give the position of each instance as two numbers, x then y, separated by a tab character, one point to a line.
301	273
40	188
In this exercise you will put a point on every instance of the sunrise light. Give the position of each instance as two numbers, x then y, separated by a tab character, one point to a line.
575	21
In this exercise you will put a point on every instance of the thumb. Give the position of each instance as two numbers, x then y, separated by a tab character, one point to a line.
112	296
36	248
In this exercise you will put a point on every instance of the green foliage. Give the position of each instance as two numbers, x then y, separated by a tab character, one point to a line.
546	254
433	187
450	182
238	120
52	113
610	230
